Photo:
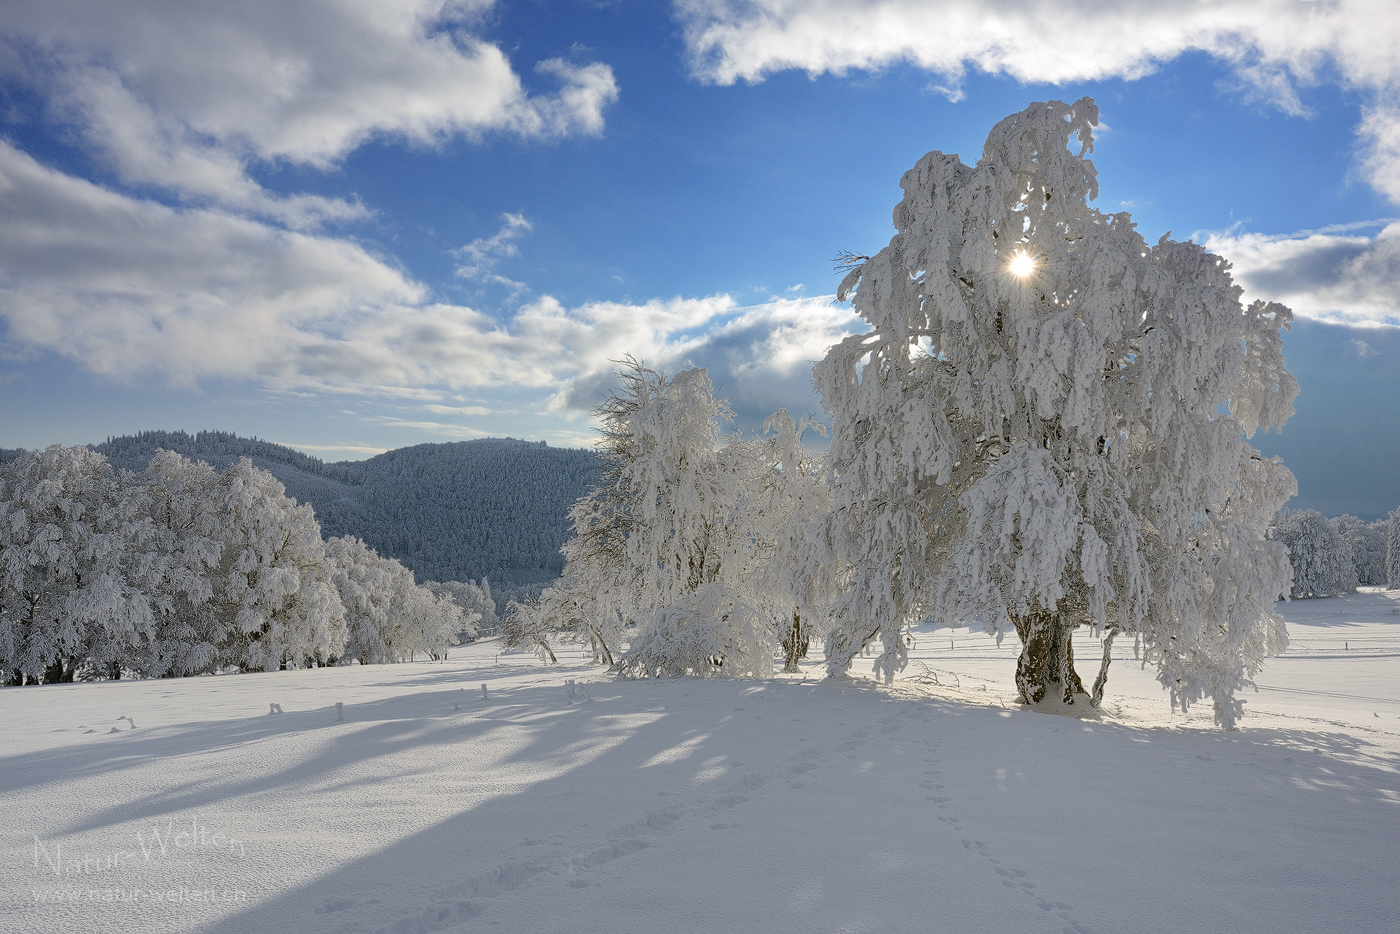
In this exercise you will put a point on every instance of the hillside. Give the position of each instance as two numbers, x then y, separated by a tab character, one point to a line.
494	507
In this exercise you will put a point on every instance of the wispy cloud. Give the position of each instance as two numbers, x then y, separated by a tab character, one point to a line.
482	255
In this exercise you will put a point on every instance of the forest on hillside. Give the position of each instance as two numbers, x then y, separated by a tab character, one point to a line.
493	508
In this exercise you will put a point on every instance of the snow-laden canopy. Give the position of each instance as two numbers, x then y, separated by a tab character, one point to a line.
1044	426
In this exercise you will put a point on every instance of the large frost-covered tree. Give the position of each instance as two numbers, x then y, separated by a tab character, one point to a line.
1044	428
1322	559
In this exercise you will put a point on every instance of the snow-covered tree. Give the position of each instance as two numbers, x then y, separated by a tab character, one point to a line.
475	601
1367	541
275	603
654	530
369	587
675	537
1392	552
62	593
1044	428
707	631
780	490
180	548
1321	557
569	610
532	624
429	623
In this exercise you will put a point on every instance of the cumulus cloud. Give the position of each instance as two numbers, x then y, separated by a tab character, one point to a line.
1341	275
1273	46
185	95
128	287
125	285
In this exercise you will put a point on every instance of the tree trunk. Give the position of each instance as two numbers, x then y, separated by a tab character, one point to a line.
795	640
58	672
1047	657
601	647
1102	679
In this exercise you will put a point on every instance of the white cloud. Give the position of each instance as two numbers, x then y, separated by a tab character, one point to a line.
184	95
1380	133
129	287
1274	46
480	257
1336	275
123	285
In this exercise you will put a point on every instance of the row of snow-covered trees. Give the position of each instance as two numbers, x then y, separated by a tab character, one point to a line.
1334	556
1043	429
181	569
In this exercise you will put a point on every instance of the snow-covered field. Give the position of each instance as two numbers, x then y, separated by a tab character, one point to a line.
794	804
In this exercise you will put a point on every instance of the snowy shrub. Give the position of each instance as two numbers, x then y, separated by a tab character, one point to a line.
1044	428
704	634
1321	557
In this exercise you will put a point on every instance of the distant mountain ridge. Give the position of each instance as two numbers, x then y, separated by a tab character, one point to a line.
493	507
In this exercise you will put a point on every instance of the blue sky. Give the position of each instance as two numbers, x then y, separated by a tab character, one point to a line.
350	227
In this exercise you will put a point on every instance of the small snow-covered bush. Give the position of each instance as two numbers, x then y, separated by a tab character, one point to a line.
708	633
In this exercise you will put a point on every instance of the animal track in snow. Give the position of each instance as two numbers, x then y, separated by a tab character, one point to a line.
456	904
1015	880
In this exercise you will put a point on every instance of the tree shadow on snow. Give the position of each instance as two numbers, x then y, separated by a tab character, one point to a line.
999	771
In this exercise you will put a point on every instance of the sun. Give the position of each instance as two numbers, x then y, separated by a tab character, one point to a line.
1021	265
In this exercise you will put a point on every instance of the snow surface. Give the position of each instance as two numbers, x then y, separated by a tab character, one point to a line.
788	804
